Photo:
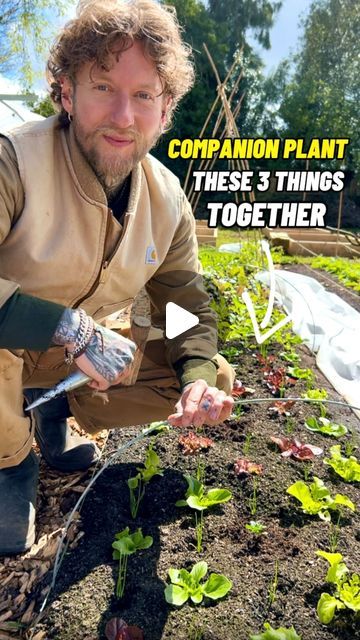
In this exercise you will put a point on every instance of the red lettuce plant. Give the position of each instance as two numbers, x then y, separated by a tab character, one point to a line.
192	443
117	629
245	467
239	391
281	408
296	449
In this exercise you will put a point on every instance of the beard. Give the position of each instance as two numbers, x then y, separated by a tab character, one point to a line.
112	170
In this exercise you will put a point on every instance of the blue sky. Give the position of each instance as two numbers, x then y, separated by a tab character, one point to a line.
284	36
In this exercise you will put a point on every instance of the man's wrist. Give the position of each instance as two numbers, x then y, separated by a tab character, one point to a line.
192	369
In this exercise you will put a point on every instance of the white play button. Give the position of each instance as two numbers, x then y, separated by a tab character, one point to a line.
178	320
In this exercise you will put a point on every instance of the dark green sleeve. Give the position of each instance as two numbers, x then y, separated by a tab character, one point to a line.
27	322
192	369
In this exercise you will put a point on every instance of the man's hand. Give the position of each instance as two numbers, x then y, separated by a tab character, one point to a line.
200	404
107	358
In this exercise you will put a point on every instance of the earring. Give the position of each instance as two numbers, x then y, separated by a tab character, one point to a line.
69	117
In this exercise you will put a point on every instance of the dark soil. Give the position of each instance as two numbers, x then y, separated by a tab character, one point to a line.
84	597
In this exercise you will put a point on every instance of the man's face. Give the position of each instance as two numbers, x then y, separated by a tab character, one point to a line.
117	115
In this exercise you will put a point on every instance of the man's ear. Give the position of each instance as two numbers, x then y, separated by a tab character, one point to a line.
67	91
166	106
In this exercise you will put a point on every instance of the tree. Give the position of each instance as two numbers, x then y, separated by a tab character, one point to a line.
323	97
222	25
25	31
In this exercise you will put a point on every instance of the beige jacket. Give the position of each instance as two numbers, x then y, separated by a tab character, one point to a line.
60	242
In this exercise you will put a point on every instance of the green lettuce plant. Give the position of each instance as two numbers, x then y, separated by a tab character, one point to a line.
317	395
347	468
124	545
276	634
137	484
325	426
187	585
196	498
347	588
256	528
316	499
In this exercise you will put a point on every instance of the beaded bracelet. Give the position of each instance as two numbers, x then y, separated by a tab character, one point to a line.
85	332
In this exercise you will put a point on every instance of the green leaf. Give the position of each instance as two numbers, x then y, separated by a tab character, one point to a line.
276	634
218	496
337	568
133	482
216	586
197	596
174	575
326	427
174	594
181	503
344	500
327	606
346	468
199	571
350	592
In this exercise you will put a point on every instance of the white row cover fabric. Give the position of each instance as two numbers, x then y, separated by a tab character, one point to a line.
329	327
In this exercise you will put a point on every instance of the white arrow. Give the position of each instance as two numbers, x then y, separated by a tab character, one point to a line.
250	307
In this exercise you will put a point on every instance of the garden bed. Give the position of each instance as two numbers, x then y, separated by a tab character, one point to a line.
276	577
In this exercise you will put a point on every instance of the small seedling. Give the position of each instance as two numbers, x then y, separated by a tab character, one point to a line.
196	498
316	499
290	425
272	591
256	528
347	591
334	534
351	445
347	468
187	585
325	426
124	545
302	374
247	443
316	395
252	501
281	408
276	634
307	469
137	484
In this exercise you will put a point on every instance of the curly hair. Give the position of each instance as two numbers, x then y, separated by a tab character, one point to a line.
102	26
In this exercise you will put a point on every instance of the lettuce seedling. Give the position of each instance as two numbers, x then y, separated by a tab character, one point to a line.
191	443
276	634
117	629
257	528
196	498
281	408
316	499
325	426
347	592
296	449
137	484
124	545
346	468
239	391
187	585
243	466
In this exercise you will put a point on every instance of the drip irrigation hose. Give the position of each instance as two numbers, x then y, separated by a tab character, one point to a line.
311	400
62	548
